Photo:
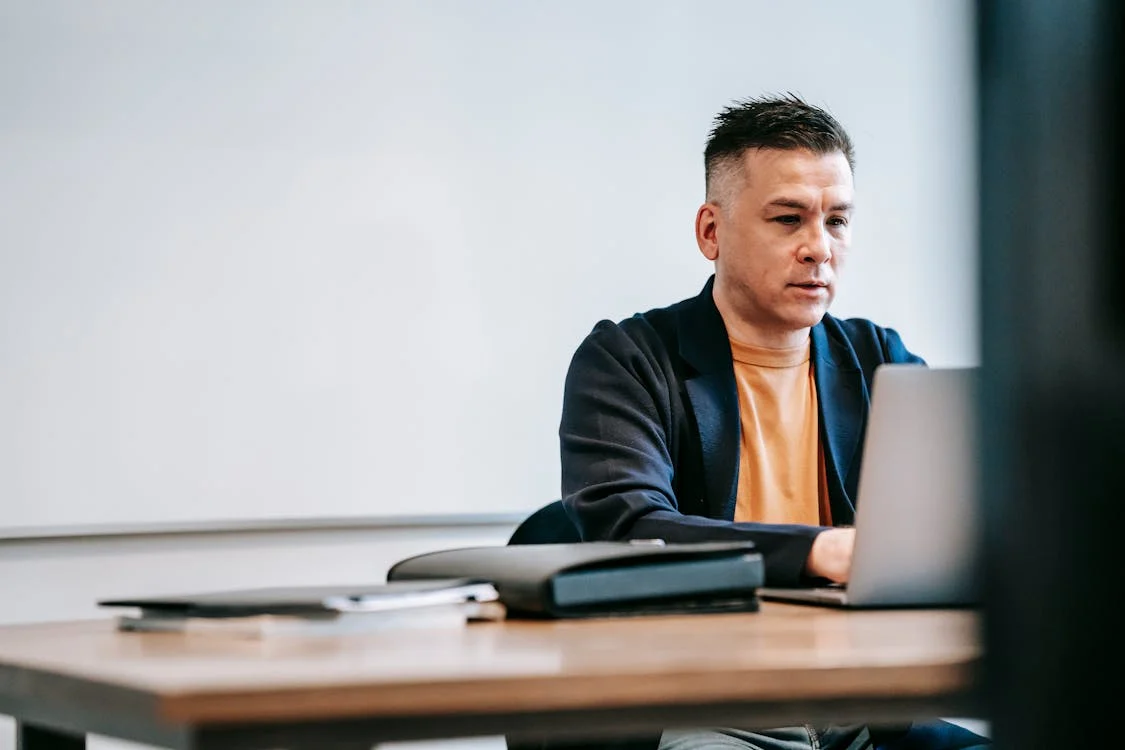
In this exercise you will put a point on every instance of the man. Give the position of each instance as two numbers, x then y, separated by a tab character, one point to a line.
739	414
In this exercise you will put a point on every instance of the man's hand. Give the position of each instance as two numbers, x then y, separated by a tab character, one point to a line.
831	555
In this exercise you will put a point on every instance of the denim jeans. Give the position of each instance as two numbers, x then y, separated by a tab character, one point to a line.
785	738
935	735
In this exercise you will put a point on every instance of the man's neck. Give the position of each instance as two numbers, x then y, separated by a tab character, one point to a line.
748	332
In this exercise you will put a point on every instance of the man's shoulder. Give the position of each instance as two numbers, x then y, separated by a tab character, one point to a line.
655	328
854	328
866	341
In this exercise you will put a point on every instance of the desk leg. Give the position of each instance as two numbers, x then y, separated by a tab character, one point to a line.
31	737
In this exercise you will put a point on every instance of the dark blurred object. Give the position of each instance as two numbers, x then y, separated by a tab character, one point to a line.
1053	334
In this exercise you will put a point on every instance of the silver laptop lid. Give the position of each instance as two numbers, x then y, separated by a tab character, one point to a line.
917	518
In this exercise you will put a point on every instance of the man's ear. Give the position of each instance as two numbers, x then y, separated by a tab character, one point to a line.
707	230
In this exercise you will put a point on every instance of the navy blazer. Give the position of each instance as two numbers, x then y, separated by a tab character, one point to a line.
650	429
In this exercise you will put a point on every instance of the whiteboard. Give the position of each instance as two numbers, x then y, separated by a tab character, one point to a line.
300	260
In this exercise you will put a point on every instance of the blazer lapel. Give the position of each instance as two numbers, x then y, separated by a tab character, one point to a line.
842	399
714	398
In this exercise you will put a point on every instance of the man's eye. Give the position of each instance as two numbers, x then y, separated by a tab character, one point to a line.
838	221
788	219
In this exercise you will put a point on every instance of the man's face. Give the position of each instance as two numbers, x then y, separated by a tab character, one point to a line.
779	238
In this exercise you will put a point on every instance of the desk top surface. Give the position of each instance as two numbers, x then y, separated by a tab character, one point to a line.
782	653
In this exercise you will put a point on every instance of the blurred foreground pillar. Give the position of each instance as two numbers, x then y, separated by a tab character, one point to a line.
1052	218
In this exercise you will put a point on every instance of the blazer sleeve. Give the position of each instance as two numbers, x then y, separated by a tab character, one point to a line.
616	439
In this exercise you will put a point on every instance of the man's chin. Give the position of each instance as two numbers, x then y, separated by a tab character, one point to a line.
806	318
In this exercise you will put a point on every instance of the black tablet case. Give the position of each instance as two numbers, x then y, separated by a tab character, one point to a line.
595	579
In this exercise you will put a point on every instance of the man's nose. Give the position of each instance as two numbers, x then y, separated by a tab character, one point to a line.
817	248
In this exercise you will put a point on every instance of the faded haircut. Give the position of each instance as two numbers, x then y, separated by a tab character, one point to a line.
780	122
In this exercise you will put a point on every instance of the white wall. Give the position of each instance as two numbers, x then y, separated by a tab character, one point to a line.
291	259
286	259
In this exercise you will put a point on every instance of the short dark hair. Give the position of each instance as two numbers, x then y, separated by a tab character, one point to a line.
782	122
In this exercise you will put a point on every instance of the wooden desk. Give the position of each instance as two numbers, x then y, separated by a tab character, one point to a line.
784	665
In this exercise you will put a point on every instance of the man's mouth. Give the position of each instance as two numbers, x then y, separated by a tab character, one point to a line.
810	284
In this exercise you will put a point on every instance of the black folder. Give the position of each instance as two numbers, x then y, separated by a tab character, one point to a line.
594	579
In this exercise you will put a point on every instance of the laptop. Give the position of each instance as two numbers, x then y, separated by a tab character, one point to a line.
917	518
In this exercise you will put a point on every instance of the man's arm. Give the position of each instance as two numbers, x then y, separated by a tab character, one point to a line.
617	465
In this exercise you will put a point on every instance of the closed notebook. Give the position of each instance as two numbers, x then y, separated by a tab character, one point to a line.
332	624
314	600
603	578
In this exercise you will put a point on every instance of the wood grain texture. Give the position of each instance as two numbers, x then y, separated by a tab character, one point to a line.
783	653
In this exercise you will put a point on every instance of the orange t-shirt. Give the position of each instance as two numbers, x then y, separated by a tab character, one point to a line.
781	466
